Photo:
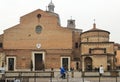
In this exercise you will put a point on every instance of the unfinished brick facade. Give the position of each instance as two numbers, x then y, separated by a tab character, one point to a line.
39	42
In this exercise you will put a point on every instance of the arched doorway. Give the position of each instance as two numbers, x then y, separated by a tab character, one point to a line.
88	64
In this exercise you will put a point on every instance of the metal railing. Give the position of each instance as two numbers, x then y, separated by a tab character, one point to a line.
50	76
111	76
27	76
101	79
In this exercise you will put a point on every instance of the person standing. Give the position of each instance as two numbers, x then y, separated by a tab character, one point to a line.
101	70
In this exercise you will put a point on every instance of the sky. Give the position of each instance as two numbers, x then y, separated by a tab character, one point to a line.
105	12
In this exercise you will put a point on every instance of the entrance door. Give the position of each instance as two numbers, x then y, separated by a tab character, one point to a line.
11	64
65	63
39	64
88	64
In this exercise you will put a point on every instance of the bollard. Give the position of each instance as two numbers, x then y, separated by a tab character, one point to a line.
99	77
72	73
116	78
35	77
116	75
83	75
51	79
67	77
52	72
83	79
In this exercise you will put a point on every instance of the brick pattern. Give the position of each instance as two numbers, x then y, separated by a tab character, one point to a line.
56	41
96	45
20	40
23	35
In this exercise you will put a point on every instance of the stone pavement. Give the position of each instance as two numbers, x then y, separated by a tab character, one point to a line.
56	80
69	77
76	78
68	80
88	79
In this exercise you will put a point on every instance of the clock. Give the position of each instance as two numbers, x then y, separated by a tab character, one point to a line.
38	45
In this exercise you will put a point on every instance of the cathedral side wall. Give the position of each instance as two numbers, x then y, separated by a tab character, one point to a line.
95	37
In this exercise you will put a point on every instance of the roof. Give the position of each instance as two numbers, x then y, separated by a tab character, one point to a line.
94	29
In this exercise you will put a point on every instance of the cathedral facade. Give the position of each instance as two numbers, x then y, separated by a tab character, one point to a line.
39	42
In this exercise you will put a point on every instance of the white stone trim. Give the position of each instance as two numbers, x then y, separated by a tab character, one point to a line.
68	61
14	62
33	57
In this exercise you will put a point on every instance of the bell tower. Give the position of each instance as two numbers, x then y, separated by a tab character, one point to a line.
71	23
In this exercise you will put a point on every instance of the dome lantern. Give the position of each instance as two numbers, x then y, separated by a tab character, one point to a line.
51	7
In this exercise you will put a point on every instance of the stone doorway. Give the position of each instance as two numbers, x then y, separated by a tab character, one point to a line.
65	61
88	64
11	63
39	64
38	59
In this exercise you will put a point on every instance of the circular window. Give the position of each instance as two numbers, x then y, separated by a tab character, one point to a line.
38	29
38	15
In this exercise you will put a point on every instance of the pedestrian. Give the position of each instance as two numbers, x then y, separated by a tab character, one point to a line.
62	72
101	70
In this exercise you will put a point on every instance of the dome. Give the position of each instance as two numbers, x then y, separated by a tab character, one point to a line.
94	29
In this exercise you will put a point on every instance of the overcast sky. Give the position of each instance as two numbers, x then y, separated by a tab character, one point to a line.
105	12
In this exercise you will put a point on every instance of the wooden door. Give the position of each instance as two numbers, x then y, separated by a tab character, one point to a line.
38	61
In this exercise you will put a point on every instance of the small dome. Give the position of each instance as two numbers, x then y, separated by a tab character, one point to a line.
94	29
95	35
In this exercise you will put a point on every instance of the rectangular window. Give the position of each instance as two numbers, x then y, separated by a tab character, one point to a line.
65	62
1	45
104	50
11	64
76	45
90	50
